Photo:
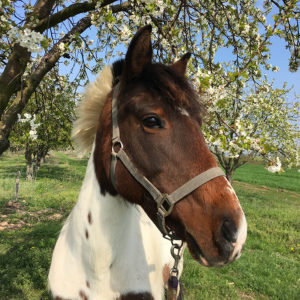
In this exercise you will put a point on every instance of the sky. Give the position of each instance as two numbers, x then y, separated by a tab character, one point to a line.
280	58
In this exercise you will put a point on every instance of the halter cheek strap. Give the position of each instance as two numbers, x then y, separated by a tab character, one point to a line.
165	202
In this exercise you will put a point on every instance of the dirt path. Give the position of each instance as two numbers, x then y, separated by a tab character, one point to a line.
265	188
18	208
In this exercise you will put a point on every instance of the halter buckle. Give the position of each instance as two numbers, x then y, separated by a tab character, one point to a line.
117	145
165	205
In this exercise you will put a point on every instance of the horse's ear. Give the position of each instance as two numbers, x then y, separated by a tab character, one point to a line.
139	52
181	64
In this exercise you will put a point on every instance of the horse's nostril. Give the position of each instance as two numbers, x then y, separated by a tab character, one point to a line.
229	230
226	238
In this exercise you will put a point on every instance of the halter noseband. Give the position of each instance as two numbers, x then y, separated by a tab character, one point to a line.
165	202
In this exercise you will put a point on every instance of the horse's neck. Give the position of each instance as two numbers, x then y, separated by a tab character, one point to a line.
107	247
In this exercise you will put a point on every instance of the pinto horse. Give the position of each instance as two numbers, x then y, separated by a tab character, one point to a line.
150	175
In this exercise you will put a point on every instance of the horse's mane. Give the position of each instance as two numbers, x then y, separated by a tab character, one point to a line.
89	109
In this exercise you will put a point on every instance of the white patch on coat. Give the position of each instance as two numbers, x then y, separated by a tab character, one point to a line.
241	237
183	111
241	234
124	251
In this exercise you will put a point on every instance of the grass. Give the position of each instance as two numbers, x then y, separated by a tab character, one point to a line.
268	269
257	174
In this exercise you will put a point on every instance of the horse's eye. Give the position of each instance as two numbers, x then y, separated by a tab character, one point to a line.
152	122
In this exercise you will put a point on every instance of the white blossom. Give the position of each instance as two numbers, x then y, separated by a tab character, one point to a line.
61	47
27	38
33	134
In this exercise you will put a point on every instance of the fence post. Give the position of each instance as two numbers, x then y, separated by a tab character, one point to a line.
17	186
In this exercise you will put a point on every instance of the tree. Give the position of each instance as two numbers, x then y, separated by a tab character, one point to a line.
30	33
257	122
201	27
47	121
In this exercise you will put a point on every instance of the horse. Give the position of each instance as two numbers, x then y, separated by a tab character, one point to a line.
151	187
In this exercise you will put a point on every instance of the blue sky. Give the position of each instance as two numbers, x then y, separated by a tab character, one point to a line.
280	58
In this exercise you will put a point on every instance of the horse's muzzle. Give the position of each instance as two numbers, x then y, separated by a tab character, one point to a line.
229	242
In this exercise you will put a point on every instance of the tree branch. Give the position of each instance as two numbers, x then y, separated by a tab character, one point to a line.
47	63
68	12
10	79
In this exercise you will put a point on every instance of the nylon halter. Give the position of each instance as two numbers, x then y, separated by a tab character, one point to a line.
165	202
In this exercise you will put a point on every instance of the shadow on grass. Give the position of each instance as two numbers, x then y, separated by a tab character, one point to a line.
57	173
46	172
70	170
67	167
11	171
25	257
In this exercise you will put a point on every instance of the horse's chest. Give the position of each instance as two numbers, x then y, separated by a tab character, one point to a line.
97	266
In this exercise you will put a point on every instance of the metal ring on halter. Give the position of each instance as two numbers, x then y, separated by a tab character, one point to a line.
116	144
174	272
173	248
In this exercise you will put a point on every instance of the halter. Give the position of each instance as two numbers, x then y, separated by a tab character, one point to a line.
165	202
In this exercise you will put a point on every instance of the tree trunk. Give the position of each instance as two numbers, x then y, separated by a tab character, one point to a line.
4	143
43	158
40	157
17	186
11	77
38	162
29	165
229	175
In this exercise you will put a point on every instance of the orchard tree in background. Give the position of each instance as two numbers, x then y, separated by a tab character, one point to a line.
257	122
46	122
35	38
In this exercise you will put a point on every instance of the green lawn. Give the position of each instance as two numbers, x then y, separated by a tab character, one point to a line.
257	174
270	265
268	269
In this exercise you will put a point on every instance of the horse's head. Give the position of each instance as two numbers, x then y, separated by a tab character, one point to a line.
159	116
